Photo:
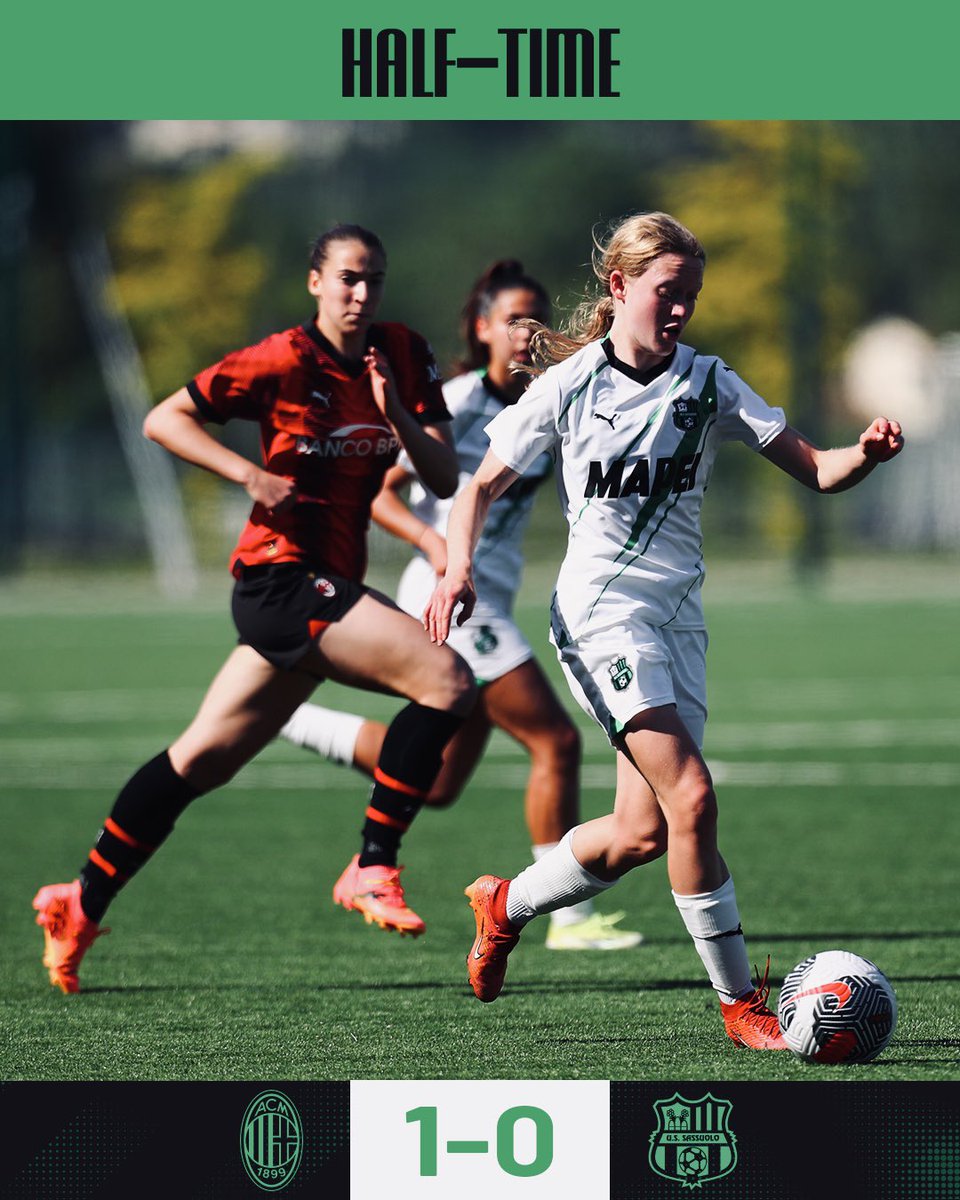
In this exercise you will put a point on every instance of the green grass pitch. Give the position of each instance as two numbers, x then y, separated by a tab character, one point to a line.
835	741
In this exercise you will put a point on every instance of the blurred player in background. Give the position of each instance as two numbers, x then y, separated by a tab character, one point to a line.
515	695
635	420
336	400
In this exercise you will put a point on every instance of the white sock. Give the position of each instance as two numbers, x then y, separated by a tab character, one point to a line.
332	735
713	921
556	881
573	913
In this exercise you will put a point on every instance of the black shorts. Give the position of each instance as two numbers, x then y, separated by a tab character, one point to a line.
281	608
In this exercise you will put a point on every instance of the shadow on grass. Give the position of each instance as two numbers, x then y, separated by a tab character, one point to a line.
818	935
934	1044
544	987
861	934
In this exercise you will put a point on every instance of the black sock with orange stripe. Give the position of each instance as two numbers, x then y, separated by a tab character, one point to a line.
409	763
140	820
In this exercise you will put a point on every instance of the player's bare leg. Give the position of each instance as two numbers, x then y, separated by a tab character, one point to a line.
375	645
523	704
702	888
245	705
676	782
354	741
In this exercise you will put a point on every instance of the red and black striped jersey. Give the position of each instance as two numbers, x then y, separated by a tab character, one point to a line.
320	428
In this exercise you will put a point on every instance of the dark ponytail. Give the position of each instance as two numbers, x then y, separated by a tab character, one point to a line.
502	276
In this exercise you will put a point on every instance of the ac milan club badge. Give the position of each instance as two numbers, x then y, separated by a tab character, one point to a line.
324	587
692	1143
271	1140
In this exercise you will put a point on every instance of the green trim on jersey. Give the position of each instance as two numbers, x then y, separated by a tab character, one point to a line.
476	418
707	405
506	512
666	511
688	444
562	639
575	396
655	417
697	579
677	384
481	419
681	379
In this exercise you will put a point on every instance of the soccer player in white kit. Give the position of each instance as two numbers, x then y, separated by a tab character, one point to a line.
515	695
635	420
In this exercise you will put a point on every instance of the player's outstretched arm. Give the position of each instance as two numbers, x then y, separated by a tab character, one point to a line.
839	469
176	424
464	526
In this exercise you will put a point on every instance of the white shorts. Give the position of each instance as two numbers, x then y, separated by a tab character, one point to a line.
490	641
625	670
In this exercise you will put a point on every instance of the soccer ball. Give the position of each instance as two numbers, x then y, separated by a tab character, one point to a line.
836	1007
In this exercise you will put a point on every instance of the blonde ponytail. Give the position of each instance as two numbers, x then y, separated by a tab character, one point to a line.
632	247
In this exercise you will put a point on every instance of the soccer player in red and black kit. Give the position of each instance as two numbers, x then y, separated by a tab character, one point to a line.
336	399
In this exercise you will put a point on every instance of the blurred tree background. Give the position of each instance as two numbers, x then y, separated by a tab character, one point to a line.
813	230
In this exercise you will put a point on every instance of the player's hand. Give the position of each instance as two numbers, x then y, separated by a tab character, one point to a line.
434	547
881	440
381	379
438	614
275	493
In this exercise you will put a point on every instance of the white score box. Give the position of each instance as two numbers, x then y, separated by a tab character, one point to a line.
530	1139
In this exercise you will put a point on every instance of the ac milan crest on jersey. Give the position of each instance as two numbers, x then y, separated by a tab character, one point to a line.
324	587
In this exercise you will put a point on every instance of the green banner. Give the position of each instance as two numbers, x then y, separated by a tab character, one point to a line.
433	61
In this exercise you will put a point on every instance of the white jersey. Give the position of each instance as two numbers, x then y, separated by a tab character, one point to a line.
498	562
635	460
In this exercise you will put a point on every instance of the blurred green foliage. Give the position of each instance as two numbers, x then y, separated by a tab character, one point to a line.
811	230
186	280
768	199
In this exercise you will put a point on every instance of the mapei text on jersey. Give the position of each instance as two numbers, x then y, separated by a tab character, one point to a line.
417	63
645	477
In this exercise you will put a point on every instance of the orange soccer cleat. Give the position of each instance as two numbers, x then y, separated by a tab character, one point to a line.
496	936
750	1023
67	932
377	893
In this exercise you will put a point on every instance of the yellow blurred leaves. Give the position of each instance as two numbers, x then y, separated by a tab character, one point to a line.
742	205
185	285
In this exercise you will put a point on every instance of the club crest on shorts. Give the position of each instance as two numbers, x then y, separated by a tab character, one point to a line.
620	673
692	1142
324	586
485	641
686	413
